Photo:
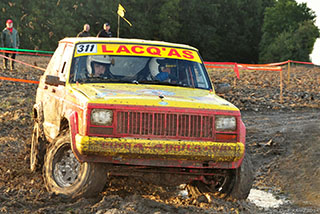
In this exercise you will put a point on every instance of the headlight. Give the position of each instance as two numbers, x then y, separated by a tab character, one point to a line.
225	123
101	117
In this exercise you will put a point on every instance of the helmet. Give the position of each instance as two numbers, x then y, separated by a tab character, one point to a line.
155	66
102	59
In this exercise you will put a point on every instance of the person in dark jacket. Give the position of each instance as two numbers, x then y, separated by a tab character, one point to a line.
105	32
85	32
9	39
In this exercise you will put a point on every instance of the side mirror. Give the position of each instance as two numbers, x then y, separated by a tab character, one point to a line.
222	88
54	81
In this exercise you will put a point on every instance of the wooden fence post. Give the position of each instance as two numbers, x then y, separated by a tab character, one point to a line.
289	62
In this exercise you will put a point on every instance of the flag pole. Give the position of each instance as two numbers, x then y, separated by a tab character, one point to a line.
121	12
118	33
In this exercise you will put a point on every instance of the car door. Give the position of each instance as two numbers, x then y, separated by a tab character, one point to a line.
54	95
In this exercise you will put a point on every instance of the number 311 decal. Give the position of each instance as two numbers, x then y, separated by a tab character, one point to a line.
87	48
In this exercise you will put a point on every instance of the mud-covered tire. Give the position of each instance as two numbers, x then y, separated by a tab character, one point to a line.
64	175
37	150
235	184
243	179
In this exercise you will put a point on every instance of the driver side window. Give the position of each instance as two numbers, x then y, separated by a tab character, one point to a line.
78	70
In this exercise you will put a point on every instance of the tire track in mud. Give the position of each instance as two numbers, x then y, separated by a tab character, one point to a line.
287	150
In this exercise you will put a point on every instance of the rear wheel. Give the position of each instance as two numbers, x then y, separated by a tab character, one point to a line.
37	151
65	175
232	183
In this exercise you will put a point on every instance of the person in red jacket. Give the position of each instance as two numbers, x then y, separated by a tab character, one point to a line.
9	39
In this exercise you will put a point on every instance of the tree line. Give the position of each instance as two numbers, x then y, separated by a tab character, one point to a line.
246	31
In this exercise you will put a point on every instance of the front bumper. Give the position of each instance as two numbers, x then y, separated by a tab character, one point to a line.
129	148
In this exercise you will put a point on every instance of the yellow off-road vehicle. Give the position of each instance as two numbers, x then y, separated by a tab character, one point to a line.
108	107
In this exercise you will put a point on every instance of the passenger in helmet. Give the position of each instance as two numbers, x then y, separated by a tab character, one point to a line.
154	66
162	69
99	66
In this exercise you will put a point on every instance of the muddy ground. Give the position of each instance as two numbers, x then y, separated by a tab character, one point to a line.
282	138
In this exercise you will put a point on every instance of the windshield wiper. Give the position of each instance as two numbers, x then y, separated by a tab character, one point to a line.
135	82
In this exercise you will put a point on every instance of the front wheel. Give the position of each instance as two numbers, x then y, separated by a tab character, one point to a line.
235	184
243	179
65	175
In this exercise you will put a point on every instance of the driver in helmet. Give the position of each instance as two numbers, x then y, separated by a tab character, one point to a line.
99	66
162	69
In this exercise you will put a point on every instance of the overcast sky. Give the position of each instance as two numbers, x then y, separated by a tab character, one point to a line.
315	6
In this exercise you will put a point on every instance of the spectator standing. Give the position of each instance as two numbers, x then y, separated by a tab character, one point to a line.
9	39
85	32
105	32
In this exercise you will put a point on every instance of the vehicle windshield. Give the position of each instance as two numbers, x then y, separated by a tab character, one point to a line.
138	70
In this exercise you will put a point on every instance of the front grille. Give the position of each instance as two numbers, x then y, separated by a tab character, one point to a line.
165	124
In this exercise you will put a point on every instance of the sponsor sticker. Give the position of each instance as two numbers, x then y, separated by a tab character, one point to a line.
136	50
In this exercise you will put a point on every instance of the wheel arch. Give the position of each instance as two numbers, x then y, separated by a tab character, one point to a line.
64	124
74	130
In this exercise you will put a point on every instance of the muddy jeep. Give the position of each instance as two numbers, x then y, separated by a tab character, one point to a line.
127	107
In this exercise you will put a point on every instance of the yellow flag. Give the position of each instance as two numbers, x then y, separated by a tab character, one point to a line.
121	12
